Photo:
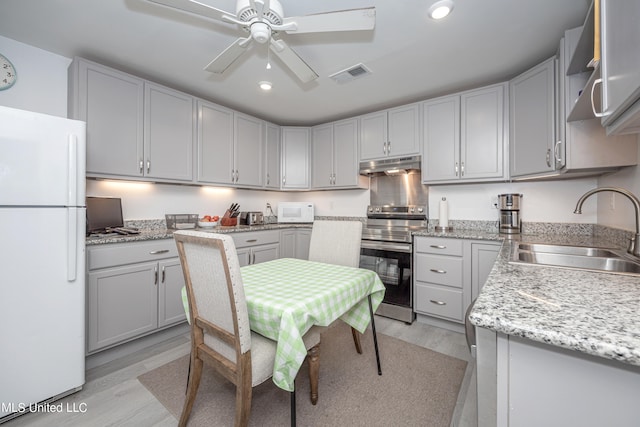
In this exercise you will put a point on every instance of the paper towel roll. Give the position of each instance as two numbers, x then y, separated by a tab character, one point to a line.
443	220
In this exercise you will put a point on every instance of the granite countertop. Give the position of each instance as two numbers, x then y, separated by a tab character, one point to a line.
164	233
593	313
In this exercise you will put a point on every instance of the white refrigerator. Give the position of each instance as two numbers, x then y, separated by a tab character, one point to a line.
42	259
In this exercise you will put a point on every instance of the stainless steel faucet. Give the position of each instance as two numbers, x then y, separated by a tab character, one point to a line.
634	245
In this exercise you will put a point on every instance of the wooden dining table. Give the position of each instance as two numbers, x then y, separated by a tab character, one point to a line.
286	297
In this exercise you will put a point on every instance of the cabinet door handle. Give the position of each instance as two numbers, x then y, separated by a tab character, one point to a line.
164	274
456	168
438	271
141	166
556	151
284	180
159	251
462	169
155	280
251	240
253	258
268	179
388	147
148	165
438	302
384	147
549	157
438	247
593	106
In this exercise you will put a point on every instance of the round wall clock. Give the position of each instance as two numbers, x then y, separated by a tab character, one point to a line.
8	73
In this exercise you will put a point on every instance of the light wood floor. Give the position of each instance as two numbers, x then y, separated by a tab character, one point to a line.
113	396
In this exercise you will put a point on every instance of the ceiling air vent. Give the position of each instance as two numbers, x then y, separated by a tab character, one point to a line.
351	73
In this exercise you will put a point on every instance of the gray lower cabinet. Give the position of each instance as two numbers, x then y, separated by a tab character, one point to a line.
254	247
294	243
448	274
133	289
517	377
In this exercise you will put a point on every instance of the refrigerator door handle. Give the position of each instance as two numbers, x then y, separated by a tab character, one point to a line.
72	244
73	174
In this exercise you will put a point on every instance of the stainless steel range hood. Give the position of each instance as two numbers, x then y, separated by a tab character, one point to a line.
398	166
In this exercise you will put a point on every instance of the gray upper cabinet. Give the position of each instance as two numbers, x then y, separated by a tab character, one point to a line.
247	150
334	153
620	35
112	104
322	156
583	145
464	136
295	150
135	129
168	134
215	144
441	136
229	147
272	156
390	133
532	121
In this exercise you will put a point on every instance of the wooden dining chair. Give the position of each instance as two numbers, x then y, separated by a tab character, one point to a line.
338	242
220	331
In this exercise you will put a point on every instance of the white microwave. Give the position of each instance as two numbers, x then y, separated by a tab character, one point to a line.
295	212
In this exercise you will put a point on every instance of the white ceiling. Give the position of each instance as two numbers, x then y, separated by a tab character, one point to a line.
411	56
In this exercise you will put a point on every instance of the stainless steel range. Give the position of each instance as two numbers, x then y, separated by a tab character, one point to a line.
399	207
386	248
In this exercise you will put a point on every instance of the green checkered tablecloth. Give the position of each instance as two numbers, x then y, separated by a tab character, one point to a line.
286	297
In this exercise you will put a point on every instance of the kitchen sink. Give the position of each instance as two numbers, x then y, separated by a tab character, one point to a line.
575	257
568	250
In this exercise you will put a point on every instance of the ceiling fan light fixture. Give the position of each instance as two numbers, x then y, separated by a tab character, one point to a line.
260	32
264	85
440	9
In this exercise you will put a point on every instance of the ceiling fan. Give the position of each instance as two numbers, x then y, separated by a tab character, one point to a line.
264	19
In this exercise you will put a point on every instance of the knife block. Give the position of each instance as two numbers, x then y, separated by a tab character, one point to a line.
226	219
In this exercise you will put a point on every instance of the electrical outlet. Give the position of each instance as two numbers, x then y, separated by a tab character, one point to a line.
494	202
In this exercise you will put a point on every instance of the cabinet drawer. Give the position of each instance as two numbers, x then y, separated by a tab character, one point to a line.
254	238
442	270
129	253
434	245
439	301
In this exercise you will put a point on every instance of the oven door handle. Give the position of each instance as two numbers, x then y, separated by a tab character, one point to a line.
386	246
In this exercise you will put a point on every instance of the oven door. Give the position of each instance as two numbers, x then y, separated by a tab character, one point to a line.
392	262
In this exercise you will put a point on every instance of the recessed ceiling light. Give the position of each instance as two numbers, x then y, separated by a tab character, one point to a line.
440	9
265	85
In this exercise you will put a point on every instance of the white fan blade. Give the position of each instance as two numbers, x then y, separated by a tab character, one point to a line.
342	20
292	60
197	8
261	7
223	61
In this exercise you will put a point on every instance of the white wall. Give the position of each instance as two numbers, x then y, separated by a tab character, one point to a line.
549	201
42	79
621	213
42	87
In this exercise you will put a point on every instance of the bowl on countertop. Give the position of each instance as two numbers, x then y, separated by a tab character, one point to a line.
207	224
